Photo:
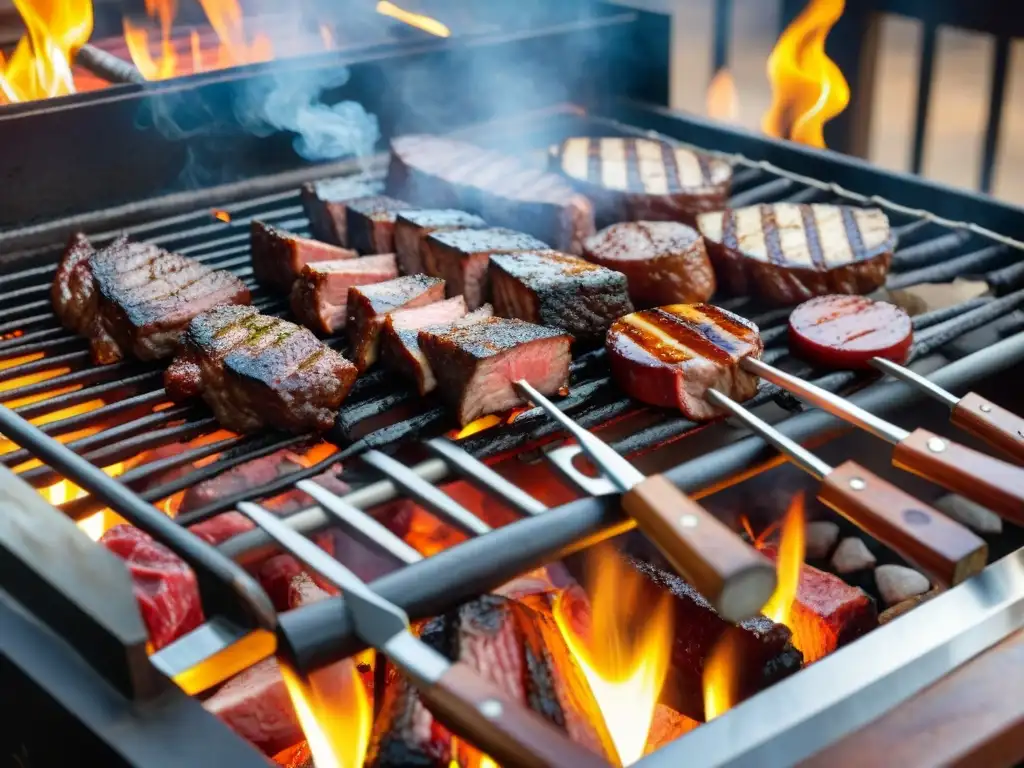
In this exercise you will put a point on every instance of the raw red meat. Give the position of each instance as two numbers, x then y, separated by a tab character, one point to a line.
847	331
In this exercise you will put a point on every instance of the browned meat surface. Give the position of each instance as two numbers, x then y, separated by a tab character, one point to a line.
73	294
400	347
512	646
462	256
411	227
476	365
671	356
631	179
326	201
319	298
559	291
665	262
369	306
787	253
442	172
278	256
257	371
371	223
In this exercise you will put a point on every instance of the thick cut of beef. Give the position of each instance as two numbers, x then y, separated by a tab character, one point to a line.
786	253
436	171
73	293
369	306
319	297
631	179
371	223
664	261
559	291
477	365
326	202
250	474
257	371
462	257
278	256
412	227
400	347
512	646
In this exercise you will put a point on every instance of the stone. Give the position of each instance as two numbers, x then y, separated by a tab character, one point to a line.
822	535
897	583
974	516
906	606
852	555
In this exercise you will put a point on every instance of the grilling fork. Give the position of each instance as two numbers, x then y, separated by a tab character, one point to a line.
470	706
736	578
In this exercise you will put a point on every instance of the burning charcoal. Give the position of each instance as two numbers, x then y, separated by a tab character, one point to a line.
369	306
319	298
667	726
822	536
852	555
974	516
889	614
371	223
326	202
298	756
278	256
897	583
412	228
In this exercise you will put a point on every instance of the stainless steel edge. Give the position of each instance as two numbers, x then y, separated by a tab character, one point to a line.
563	458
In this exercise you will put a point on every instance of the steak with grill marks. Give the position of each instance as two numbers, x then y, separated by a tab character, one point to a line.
326	205
371	223
278	256
73	293
442	172
257	371
559	291
319	298
412	227
369	306
787	252
476	365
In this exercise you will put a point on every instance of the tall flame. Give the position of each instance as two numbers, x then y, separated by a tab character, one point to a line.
721	682
808	88
788	563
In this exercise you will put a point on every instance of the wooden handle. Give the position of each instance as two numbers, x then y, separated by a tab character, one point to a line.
731	574
986	480
996	426
479	712
942	548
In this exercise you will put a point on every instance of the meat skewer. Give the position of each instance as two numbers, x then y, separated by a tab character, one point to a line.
467	704
941	547
735	578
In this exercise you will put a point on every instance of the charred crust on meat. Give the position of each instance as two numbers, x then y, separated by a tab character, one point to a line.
370	222
325	201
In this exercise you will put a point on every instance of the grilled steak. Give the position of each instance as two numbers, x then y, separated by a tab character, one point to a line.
461	257
436	171
632	179
665	262
256	371
326	201
319	298
278	256
369	306
400	346
559	291
411	227
671	356
786	253
371	223
476	364
140	298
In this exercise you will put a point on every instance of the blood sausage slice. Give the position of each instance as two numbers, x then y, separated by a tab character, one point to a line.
847	331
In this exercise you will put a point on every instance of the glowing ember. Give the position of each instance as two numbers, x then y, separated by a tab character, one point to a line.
723	101
808	88
788	564
721	684
484	422
427	24
221	216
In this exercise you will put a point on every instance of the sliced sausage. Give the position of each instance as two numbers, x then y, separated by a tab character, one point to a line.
847	331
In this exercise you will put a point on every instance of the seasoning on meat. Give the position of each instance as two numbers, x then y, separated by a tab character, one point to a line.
257	371
319	298
630	179
665	262
671	356
442	172
369	305
476	365
412	227
325	203
559	291
278	256
786	253
848	331
371	223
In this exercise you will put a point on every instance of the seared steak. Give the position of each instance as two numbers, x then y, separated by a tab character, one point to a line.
631	179
442	172
369	305
256	371
73	294
787	253
325	202
665	262
476	365
461	257
411	227
371	223
319	298
559	291
278	256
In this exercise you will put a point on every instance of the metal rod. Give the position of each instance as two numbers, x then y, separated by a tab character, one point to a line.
479	473
722	35
925	76
915	380
107	66
996	102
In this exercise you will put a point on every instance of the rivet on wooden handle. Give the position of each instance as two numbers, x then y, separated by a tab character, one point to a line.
986	480
735	578
996	426
945	550
479	712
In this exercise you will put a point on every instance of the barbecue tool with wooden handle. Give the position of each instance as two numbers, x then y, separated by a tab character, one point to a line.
469	705
734	577
947	551
986	480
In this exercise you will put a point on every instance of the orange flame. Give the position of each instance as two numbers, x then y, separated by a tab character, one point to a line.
721	683
723	101
788	564
427	24
808	88
221	216
479	425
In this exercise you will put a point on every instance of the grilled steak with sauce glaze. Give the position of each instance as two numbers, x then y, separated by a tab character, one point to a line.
412	227
326	203
278	256
369	306
371	223
319	298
